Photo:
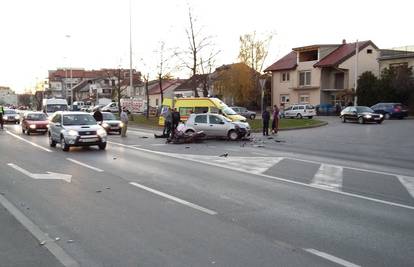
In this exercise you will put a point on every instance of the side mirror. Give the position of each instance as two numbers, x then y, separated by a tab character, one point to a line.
222	122
57	124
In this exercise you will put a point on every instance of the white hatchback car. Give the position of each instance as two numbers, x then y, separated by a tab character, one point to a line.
300	111
75	129
215	125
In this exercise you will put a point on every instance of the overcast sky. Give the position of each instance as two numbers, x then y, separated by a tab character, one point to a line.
34	32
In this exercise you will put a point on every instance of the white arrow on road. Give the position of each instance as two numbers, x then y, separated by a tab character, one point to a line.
49	175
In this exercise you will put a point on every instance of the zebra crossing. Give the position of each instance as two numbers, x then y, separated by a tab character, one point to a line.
369	183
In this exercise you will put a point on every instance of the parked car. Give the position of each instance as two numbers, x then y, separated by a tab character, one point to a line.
361	114
75	129
111	123
11	115
245	112
34	122
391	110
215	125
299	111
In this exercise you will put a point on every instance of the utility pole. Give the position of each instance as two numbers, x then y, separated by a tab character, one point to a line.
130	46
356	73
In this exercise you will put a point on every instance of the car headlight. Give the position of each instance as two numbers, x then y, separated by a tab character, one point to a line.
121	124
105	125
17	117
368	116
4	117
101	132
380	115
72	133
32	126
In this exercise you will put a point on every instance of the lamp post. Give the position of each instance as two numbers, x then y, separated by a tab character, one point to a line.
71	77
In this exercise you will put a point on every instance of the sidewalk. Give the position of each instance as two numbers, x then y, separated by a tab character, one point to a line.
18	247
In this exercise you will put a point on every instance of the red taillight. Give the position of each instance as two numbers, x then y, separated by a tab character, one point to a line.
397	110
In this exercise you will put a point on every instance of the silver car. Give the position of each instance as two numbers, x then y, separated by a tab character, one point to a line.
75	129
111	123
215	125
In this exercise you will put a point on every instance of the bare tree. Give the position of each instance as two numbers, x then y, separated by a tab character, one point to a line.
163	68
197	43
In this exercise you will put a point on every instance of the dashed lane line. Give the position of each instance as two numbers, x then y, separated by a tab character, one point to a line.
176	199
331	258
27	141
84	165
329	176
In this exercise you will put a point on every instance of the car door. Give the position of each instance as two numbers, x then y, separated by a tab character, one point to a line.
55	127
287	112
217	127
200	123
352	114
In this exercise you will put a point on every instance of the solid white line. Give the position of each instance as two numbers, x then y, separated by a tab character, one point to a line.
331	258
85	165
408	183
178	156
24	140
55	249
329	176
14	166
176	199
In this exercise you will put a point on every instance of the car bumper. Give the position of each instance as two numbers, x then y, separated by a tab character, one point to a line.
373	119
85	141
112	129
243	132
37	130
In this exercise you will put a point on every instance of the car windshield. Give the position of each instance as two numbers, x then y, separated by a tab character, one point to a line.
37	117
108	116
78	119
228	111
10	111
364	109
56	107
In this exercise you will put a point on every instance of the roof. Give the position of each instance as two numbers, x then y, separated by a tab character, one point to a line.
287	62
342	53
166	84
315	46
194	81
387	54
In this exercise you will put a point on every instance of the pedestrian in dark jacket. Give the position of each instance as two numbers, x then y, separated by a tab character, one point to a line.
98	115
266	119
175	118
275	123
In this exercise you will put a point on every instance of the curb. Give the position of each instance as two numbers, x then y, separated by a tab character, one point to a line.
299	128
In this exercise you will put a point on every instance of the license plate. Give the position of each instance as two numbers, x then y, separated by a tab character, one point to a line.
376	119
88	140
114	128
41	130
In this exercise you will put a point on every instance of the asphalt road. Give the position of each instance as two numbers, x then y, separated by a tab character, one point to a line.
144	203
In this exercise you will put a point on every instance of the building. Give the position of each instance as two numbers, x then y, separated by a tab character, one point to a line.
391	58
199	81
7	96
89	84
168	87
321	74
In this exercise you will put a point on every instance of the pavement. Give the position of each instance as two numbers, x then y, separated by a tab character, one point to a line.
294	200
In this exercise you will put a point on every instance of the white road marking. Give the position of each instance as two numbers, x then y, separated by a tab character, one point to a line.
134	132
42	176
84	165
54	248
408	183
180	156
329	176
158	144
24	140
176	199
331	258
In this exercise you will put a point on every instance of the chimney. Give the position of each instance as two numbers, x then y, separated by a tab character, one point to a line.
343	41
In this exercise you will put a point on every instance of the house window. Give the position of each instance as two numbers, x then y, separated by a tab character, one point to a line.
304	99
285	76
369	51
156	102
113	82
311	55
284	99
399	65
304	78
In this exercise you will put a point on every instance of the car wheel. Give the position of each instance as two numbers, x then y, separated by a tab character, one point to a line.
102	146
52	143
343	119
189	132
23	131
310	117
379	122
65	147
233	135
361	120
387	116
252	117
28	132
299	116
120	132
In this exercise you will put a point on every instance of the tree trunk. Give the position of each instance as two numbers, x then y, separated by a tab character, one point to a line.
119	91
160	83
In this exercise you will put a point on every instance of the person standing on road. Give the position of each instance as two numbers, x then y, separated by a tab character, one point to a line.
266	119
124	119
1	116
98	115
175	119
275	123
167	122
